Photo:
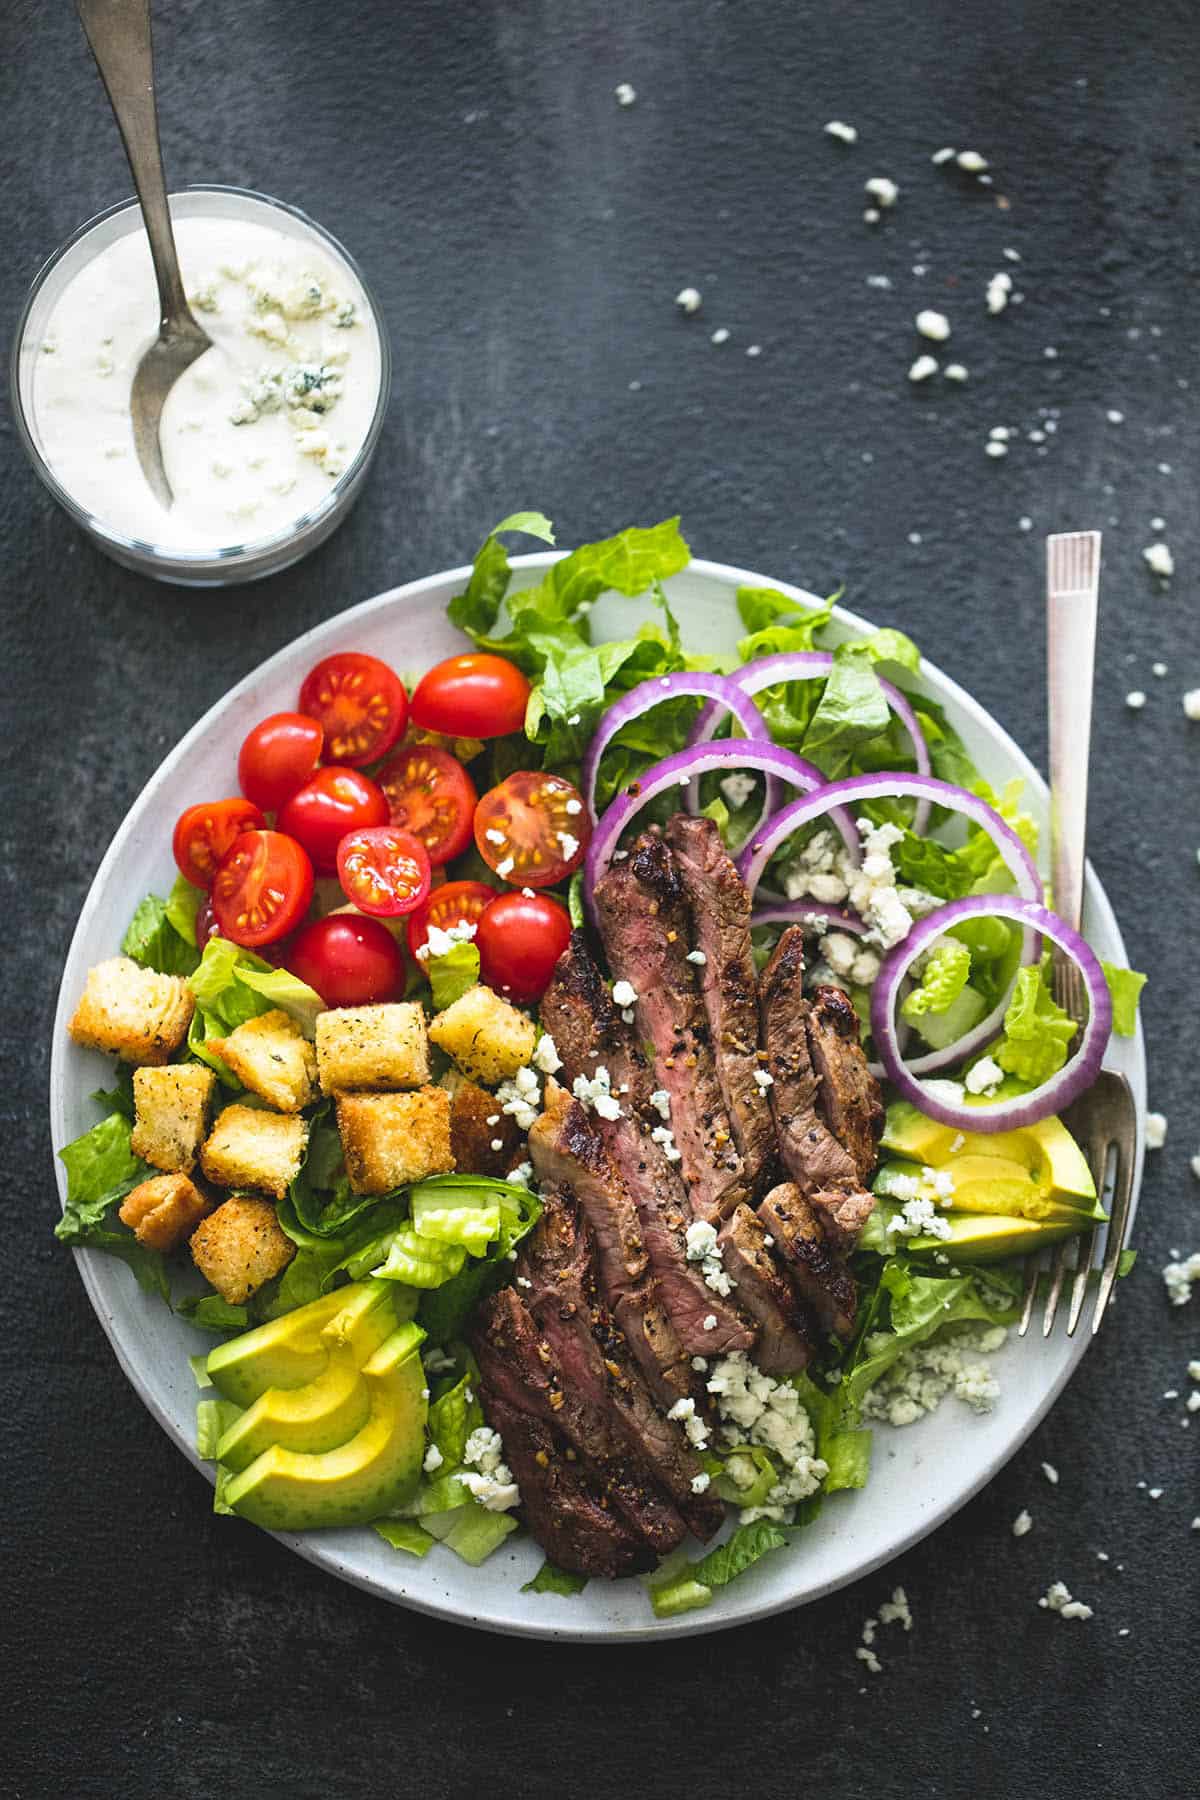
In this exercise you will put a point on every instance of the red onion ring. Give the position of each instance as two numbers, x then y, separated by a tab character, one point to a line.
819	913
676	771
810	665
723	694
1077	1074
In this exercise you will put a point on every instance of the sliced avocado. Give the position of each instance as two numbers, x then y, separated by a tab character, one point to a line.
909	1133
1047	1151
372	1472
325	1411
985	1237
290	1352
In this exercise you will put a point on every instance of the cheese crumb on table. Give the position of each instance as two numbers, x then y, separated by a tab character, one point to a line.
1051	1473
1158	560
624	94
1022	1523
933	325
998	290
883	191
1156	1130
1135	700
1178	1277
996	447
955	372
943	156
1057	1598
1191	706
971	161
689	300
923	368
720	335
845	134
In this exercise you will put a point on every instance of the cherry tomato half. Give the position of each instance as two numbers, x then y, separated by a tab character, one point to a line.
360	702
454	903
520	938
262	888
204	833
476	695
532	829
384	871
350	961
334	802
430	794
278	757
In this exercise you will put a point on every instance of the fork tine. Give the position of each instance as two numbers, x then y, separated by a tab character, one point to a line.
1058	1270
1119	1224
1031	1269
1083	1268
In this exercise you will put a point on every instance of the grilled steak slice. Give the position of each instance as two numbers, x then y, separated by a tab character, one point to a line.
849	1094
565	1510
819	1276
579	1015
720	907
597	1369
815	1159
519	1365
785	1345
644	923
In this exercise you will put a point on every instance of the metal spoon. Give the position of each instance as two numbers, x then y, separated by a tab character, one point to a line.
119	34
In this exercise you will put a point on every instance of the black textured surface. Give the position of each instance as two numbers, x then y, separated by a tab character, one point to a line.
527	237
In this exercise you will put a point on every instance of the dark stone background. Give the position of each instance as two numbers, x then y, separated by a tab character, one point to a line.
527	237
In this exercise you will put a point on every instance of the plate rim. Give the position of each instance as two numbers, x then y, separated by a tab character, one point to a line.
310	1546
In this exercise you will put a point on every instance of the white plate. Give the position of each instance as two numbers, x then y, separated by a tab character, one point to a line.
921	1474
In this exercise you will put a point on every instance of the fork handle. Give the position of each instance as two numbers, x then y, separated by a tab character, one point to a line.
119	34
1070	665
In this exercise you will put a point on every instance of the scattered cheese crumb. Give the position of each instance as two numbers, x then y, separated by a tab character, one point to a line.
996	447
1158	560
1178	1277
942	156
998	290
1191	706
1114	417
923	368
1057	1598
955	372
1135	700
689	300
1159	669
870	216
984	1077
1051	1473
881	189
933	325
624	993
846	134
1156	1130
624	94
1022	1523
720	335
971	161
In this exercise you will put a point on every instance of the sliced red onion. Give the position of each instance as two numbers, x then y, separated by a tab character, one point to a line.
677	770
1077	1073
723	694
811	665
817	913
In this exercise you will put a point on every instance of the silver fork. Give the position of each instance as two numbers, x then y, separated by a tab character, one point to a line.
1104	1120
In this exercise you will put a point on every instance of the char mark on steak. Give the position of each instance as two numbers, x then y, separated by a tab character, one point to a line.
520	1365
849	1094
598	1371
817	1161
719	904
578	1014
785	1344
644	922
820	1277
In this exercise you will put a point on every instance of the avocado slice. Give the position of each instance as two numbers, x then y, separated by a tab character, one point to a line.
325	1411
372	1472
291	1351
986	1237
1047	1151
983	1184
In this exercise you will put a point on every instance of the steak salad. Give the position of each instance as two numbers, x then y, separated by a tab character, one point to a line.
588	1087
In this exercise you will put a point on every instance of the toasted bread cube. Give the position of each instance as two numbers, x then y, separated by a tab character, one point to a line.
485	1034
477	1126
163	1210
172	1105
272	1057
240	1246
372	1047
133	1013
249	1148
390	1139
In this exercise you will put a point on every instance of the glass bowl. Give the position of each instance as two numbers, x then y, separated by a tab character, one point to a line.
205	566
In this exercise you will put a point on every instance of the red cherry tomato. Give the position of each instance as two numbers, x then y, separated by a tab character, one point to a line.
278	757
454	903
349	960
204	833
532	829
360	702
520	938
384	871
476	695
206	922
334	802
262	888
430	794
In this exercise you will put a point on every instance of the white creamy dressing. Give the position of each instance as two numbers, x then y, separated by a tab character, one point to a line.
255	433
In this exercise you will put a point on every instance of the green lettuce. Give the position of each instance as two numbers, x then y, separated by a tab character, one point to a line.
550	1580
451	975
943	979
467	1217
906	1307
233	985
453	1416
405	1534
692	1586
476	609
1125	987
162	933
208	1312
101	1169
1037	1031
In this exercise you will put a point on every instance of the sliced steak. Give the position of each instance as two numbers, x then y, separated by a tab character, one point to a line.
818	1274
578	1014
644	922
519	1366
785	1345
849	1094
596	1365
821	1166
719	904
565	1510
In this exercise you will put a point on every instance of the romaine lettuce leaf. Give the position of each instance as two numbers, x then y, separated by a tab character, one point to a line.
405	1534
451	975
453	1416
476	609
550	1580
467	1217
852	710
208	1312
907	1307
444	1310
942	980
233	985
1037	1031
692	1586
101	1169
1125	987
162	933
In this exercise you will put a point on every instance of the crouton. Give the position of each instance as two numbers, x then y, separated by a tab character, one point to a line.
254	1149
133	1013
240	1246
476	1126
391	1139
485	1034
372	1047
272	1057
163	1210
172	1105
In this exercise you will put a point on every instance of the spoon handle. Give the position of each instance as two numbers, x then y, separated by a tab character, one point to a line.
119	34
